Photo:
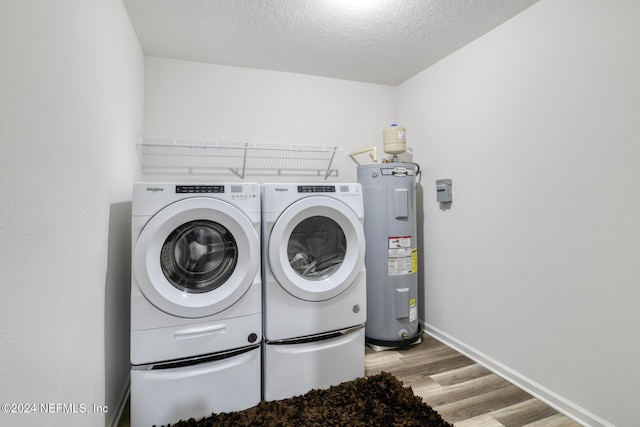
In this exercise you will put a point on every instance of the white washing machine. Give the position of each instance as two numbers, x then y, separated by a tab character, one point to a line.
314	287
196	300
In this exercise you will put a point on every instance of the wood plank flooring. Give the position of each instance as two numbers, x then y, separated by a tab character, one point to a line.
463	392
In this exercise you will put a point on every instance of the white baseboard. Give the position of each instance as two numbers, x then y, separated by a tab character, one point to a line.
559	403
120	405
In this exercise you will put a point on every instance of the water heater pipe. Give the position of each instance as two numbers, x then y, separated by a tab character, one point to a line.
373	154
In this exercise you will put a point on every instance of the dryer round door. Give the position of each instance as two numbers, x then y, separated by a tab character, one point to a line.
196	257
316	248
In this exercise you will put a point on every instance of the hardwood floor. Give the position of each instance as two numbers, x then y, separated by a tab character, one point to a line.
463	392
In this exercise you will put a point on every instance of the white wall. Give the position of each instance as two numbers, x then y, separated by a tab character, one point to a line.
71	78
189	100
534	267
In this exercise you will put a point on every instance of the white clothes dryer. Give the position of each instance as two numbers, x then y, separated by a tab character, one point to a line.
314	287
196	298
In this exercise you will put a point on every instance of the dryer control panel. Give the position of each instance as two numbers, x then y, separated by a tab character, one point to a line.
341	188
316	188
276	197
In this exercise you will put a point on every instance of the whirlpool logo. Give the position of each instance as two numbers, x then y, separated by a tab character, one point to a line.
154	189
281	190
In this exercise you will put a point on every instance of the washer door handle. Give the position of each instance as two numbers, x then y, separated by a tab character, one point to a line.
200	332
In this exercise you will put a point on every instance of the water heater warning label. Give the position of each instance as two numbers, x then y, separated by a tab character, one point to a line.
401	256
413	310
414	260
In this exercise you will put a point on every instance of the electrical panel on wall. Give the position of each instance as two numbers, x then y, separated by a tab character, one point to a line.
443	191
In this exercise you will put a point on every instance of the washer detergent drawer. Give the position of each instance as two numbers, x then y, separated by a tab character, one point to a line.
165	396
294	369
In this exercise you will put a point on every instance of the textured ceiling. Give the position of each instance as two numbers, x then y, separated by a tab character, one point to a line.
376	41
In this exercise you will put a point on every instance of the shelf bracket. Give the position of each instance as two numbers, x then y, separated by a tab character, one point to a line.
333	154
244	160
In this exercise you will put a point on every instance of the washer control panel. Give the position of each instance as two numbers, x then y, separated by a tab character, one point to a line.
180	189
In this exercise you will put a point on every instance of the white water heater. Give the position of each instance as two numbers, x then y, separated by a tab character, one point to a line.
391	258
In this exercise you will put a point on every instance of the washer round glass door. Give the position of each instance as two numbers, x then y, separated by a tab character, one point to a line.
196	257
316	248
199	256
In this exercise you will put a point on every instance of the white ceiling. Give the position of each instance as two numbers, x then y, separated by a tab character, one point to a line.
376	41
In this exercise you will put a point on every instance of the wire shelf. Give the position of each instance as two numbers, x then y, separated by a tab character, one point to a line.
204	157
